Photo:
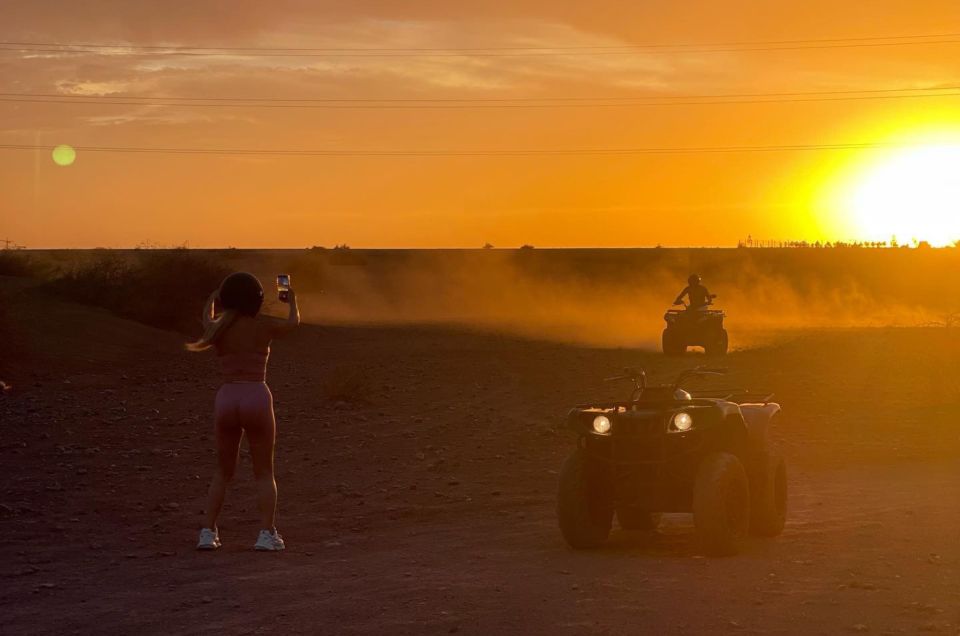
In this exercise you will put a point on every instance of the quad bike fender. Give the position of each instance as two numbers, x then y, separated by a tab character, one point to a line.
729	409
734	436
759	419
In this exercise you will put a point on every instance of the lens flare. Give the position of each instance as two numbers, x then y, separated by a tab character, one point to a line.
64	155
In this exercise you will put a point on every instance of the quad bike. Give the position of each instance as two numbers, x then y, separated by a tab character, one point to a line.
667	450
695	326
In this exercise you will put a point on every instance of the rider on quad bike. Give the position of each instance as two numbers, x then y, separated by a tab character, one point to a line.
696	325
699	296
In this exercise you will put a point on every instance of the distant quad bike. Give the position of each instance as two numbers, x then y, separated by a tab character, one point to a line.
695	327
665	450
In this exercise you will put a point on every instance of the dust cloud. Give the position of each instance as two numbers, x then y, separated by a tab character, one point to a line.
606	298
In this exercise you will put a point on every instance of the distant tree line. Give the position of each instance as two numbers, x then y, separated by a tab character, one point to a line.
751	242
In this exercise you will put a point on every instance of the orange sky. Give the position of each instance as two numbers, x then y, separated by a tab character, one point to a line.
113	199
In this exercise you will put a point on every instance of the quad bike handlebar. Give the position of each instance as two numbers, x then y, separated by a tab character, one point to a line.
687	305
639	378
635	375
698	372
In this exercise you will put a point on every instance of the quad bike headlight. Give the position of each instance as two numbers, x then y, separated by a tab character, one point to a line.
601	424
681	423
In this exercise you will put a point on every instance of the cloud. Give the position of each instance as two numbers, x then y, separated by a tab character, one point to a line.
88	88
438	67
442	66
126	71
146	115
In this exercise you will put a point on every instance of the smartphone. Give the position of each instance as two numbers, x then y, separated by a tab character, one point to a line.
283	287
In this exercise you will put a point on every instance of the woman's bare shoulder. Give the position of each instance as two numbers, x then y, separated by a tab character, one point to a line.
267	322
242	336
267	327
273	327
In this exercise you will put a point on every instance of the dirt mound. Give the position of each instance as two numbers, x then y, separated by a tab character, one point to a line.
52	336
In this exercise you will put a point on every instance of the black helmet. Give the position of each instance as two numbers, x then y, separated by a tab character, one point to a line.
694	279
241	292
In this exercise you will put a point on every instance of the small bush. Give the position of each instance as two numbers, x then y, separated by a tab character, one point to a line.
18	263
14	343
950	321
8	342
162	288
351	385
342	255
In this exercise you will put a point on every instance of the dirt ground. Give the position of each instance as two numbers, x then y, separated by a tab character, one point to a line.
429	507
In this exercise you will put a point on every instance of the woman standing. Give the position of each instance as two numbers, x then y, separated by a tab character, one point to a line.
244	404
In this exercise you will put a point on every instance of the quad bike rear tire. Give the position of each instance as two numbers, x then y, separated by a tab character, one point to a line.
721	504
584	521
768	497
720	344
672	345
636	519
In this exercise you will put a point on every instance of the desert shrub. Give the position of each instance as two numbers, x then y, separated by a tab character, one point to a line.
343	255
162	288
13	343
7	340
18	263
950	321
352	385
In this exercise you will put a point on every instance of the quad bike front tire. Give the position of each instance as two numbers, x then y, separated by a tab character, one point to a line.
721	504
631	518
584	522
672	345
768	497
720	344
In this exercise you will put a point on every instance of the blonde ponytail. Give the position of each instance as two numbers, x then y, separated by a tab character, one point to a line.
214	330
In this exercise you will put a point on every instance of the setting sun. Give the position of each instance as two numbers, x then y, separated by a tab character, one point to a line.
913	195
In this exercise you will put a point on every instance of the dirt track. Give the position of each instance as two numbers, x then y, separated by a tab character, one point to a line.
430	508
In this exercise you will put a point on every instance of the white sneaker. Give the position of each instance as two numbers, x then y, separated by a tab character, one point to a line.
209	539
269	541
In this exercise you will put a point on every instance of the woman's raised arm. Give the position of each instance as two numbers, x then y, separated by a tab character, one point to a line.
283	327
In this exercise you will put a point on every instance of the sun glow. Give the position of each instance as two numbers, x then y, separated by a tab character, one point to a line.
915	194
